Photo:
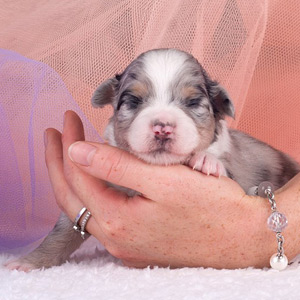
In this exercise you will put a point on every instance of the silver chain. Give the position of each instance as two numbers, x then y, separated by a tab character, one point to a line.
280	241
279	236
271	198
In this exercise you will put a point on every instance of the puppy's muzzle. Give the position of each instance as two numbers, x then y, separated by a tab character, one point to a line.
163	131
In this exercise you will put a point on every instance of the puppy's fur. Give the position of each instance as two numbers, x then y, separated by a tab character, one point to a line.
168	111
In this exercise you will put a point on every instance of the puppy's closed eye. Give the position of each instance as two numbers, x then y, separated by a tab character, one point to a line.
131	101
193	103
134	101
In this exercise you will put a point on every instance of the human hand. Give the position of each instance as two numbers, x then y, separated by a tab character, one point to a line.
182	218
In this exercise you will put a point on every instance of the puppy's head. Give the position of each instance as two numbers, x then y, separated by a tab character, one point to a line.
165	106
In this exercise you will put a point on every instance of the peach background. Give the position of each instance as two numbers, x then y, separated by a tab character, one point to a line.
251	47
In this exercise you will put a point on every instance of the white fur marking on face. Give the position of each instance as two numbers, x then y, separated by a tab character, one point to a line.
141	137
162	68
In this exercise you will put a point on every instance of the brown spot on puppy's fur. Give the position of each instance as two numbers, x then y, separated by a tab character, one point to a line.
139	89
189	92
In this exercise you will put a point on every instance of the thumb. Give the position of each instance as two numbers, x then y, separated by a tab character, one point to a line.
121	168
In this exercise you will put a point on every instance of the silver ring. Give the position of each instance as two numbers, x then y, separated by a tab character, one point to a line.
76	226
83	224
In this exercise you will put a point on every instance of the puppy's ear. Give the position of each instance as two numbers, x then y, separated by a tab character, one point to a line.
105	93
221	101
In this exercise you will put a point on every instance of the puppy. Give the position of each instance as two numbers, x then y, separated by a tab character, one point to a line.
168	111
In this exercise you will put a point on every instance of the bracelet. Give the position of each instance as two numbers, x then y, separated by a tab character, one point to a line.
276	222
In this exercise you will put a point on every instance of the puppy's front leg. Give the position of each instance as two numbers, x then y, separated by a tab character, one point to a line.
208	164
56	248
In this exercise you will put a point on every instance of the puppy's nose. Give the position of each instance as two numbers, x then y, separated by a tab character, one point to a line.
162	130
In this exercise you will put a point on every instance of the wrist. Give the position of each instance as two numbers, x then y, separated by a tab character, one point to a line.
259	241
288	199
288	204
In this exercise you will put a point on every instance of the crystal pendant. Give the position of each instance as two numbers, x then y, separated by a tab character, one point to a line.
277	221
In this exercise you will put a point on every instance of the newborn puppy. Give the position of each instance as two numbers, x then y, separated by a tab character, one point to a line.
168	111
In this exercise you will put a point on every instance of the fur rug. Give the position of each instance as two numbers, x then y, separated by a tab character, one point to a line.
94	274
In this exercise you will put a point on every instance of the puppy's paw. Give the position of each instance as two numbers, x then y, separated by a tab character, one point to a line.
20	265
208	164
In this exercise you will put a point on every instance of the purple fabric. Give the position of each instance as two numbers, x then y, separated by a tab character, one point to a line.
32	98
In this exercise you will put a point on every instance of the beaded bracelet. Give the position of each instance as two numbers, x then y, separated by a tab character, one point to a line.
276	222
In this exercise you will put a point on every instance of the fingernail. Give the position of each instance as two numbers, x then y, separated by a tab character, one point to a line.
82	153
45	138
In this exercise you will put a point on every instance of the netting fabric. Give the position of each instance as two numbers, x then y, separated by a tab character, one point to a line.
57	52
33	98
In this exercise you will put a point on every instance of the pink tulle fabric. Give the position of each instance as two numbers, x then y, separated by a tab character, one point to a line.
55	53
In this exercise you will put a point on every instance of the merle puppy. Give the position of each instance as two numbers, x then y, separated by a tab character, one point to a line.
168	111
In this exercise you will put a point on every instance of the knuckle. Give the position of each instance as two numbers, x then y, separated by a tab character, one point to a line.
117	235
114	230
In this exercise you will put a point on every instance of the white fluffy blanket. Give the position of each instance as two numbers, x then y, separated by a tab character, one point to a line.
93	274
